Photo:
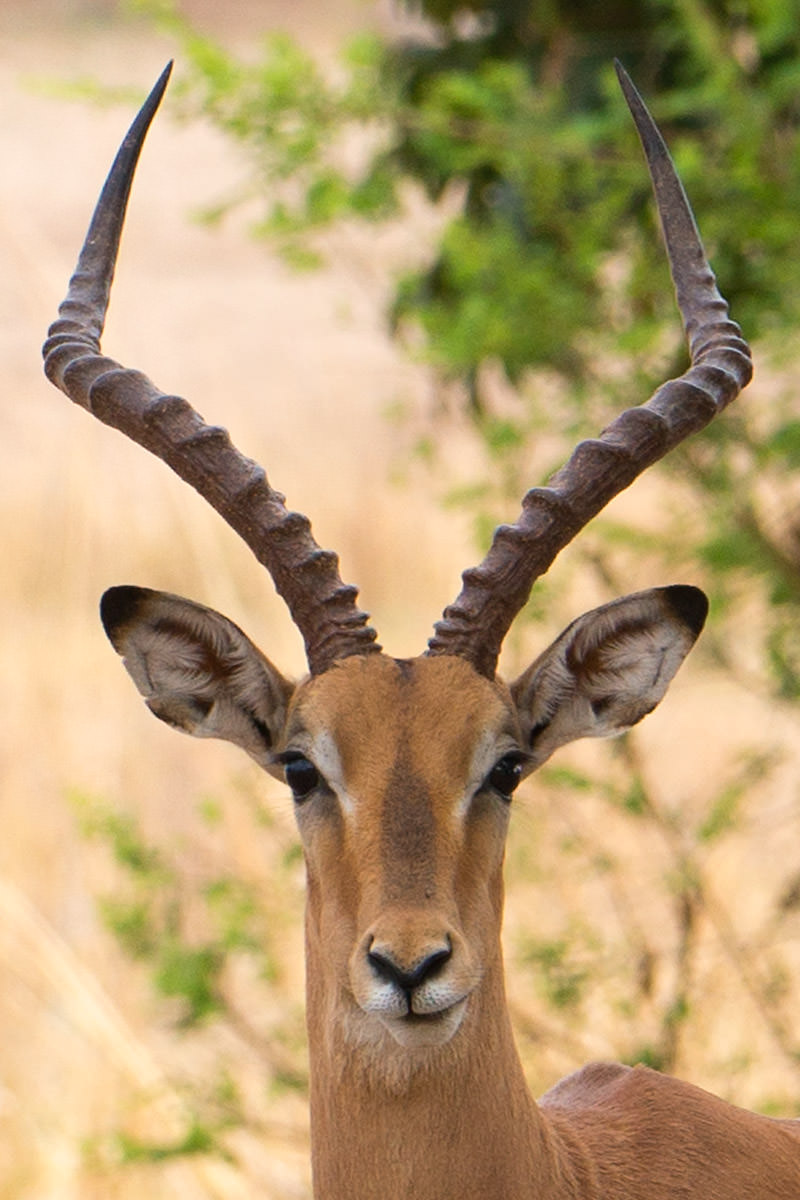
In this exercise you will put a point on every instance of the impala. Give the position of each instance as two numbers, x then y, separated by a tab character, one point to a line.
402	772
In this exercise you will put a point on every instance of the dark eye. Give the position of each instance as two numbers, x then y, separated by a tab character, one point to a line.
505	775
301	775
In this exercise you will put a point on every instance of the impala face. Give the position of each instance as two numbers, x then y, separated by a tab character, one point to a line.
403	802
402	773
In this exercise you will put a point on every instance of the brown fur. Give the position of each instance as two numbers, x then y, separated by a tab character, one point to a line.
418	1091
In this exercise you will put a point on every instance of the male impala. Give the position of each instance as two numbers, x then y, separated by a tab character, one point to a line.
403	770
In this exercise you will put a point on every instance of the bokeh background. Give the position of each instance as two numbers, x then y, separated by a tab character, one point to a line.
151	889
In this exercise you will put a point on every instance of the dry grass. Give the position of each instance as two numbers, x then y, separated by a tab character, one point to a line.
301	372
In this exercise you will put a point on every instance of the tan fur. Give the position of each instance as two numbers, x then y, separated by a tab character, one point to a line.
417	1091
456	1120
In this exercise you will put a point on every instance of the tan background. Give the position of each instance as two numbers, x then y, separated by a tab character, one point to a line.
300	370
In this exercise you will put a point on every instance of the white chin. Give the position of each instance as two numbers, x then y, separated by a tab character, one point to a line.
433	1029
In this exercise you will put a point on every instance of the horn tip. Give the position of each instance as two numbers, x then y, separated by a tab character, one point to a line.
160	86
629	88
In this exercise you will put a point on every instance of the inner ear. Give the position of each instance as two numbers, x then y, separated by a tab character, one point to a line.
609	668
197	670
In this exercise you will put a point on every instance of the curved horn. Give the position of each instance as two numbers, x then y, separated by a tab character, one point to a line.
494	592
322	607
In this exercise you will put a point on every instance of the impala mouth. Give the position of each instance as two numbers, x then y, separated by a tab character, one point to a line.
429	1018
435	1028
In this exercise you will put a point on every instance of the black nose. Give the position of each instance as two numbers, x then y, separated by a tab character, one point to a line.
385	966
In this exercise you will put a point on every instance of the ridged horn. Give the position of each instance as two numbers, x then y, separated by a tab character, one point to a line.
474	626
322	607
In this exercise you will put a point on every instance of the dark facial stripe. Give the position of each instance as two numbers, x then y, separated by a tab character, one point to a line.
408	849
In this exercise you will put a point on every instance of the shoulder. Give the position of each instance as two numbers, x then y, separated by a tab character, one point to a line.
592	1082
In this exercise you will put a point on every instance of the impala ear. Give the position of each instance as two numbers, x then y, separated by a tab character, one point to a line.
608	669
197	670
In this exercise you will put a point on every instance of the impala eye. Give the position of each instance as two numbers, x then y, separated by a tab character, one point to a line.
505	775
301	775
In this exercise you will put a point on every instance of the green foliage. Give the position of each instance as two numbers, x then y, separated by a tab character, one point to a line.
725	807
191	974
197	1140
288	120
558	973
150	915
204	937
120	832
599	950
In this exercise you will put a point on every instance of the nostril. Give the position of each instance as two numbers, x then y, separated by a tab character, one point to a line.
408	978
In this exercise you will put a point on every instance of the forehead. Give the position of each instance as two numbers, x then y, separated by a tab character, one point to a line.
434	710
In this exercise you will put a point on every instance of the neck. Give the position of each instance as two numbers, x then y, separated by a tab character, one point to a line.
446	1121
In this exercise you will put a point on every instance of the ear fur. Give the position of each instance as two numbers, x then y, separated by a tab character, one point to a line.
608	669
197	670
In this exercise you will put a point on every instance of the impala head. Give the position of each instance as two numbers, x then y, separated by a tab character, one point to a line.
402	771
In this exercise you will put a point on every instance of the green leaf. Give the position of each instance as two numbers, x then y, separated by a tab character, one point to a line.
190	974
